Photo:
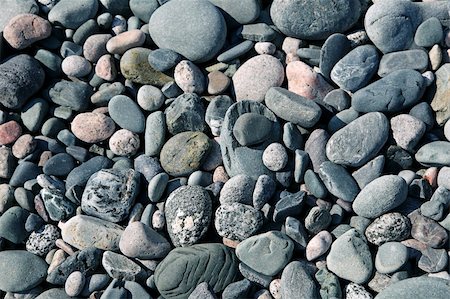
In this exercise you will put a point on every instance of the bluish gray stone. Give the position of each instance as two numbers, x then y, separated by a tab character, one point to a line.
391	256
369	204
126	113
436	153
163	59
238	289
356	68
120	267
338	99
265	188
75	95
198	42
215	113
33	114
423	112
293	107
116	7
341	119
59	165
50	62
315	146
415	59
329	284
335	47
296	231
350	257
72	14
24	171
338	181
188	212
395	92
429	33
289	205
314	184
21	76
155	133
238	11
236	51
12	225
186	113
369	171
317	219
292	137
244	129
202	291
297	281
316	21
143	9
259	32
106	92
417	287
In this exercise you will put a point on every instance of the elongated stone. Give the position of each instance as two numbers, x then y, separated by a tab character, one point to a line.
435	153
418	287
441	100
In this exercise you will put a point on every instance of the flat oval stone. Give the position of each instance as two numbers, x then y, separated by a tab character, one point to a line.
183	153
73	14
84	231
126	113
369	204
417	287
20	77
387	228
356	68
134	66
334	48
120	267
124	41
184	268
76	66
429	33
415	59
256	76
292	107
143	9
266	253
92	127
188	212
155	133
391	256
436	153
350	258
21	270
244	129
110	193
163	59
12	225
395	92
198	42
25	29
359	141
297	281
59	165
311	20
338	181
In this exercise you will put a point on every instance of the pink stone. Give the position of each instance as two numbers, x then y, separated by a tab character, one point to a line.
220	175
318	245
431	175
25	29
122	42
9	132
92	127
304	81
106	68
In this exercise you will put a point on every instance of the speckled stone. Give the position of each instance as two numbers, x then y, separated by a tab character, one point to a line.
92	127
42	241
188	212
387	228
189	77
185	113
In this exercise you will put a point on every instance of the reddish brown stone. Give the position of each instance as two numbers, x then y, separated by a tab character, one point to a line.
9	132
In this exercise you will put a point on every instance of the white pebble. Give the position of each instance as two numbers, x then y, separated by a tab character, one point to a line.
275	288
275	157
158	220
75	283
76	66
429	77
265	48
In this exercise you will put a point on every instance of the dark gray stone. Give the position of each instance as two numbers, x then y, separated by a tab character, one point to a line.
21	76
289	205
33	114
316	21
255	277
338	181
341	119
75	95
315	147
315	185
24	171
415	59
338	99
301	165
423	112
427	230
163	59
155	133
244	129
356	68
59	165
397	91
335	47
259	32
50	62
188	212
57	206
12	225
72	15
293	107
238	289
184	268
429	33
387	228
107	92
296	231
359	141
186	113
110	193
198	42
297	281
417	287
317	219
126	113
292	137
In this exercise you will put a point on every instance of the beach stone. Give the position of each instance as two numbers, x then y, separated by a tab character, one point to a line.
157	186
429	33
356	68
72	15
340	151
397	91
304	81
59	293
356	291
163	59
110	193
415	59
242	48
215	113
183	153
124	143
388	228
14	8
95	46
265	188
318	245
155	133
317	219
126	113
21	76
369	205
185	113
106	68
350	257
289	204
143	9
297	279
292	137
21	270
198	42
259	32
218	83
120	267
314	184
40	242
238	289
369	171
335	47
329	284
338	181
417	287
25	29
188	212
86	261
103	95
241	12
391	256
237	221
7	197
305	20
189	77
59	165
424	112
76	66
141	241
92	127
24	171
74	283
12	225
433	260
24	146
238	189
434	154
407	130
74	95
184	268
293	107
57	207
33	114
82	231
265	48
315	147
245	134
150	98
7	163
256	76
275	157
427	230
440	103
239	159
134	66
124	41
266	253
9	132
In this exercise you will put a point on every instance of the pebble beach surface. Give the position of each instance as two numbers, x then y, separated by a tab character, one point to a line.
201	149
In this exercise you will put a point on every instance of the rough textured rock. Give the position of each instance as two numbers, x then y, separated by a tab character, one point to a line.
297	281
388	228
440	102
